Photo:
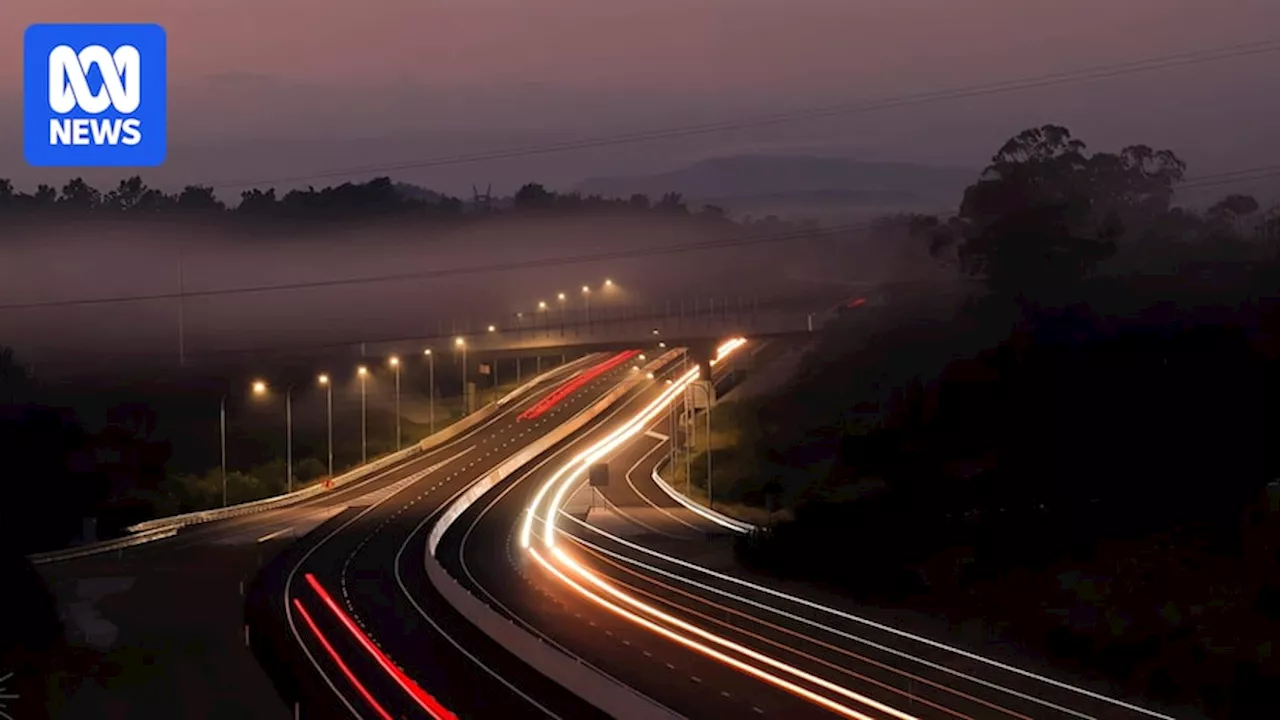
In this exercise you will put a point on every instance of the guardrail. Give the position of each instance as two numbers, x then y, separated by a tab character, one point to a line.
160	528
612	697
432	441
714	516
101	547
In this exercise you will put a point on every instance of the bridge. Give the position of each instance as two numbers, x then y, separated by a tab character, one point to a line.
699	326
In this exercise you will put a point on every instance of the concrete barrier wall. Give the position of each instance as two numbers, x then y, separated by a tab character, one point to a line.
718	518
607	694
546	442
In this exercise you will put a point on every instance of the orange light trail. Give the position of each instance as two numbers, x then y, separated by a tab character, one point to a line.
697	646
596	552
652	611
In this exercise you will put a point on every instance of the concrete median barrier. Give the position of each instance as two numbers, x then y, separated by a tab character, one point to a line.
714	516
612	697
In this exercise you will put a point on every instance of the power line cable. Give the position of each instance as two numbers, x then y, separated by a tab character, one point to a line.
563	260
1100	72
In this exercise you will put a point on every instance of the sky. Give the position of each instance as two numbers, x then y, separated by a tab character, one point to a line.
297	92
279	89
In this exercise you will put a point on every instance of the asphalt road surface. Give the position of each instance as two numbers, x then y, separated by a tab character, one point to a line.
836	663
388	646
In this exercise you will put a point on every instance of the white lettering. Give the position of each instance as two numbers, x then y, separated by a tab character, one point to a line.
95	131
59	132
81	129
132	131
107	133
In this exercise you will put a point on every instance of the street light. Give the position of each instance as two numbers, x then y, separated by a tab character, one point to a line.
328	389
608	282
493	328
586	300
363	372
706	388
395	363
561	297
466	401
431	387
546	319
260	388
222	427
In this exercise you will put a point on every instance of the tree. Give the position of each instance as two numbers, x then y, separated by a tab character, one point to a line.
533	196
672	202
199	198
257	202
80	196
1044	214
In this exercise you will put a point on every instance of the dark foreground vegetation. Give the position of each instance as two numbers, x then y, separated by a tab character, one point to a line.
1078	456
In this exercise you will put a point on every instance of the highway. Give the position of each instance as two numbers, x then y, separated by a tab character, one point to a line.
348	622
618	591
353	628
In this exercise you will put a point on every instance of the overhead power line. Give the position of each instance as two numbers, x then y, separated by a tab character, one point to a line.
1100	72
832	231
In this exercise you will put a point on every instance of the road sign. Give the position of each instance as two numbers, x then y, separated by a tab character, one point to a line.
599	474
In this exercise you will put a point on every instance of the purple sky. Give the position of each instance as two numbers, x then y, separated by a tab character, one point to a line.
264	89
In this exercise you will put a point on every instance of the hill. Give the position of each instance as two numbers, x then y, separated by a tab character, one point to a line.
755	183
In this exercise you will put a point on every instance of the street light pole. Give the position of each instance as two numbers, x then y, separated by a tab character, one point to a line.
466	400
431	388
328	388
561	298
288	446
222	427
363	372
586	304
395	363
706	388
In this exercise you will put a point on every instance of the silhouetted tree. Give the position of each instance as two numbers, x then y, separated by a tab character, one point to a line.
199	198
80	196
1045	214
533	196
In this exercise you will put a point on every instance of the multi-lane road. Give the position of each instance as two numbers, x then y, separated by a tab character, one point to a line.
622	591
625	581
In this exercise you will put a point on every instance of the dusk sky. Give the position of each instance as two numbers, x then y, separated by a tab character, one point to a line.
267	89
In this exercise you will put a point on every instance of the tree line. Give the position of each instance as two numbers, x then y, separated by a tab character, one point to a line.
380	197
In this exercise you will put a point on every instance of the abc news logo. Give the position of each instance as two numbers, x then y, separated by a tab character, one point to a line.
69	89
95	95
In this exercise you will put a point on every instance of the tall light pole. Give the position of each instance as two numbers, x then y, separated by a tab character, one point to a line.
260	388
546	317
222	427
431	387
288	442
328	388
586	301
363	372
466	401
561	297
706	388
395	364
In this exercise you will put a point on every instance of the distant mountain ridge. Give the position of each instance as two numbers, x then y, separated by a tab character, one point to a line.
808	178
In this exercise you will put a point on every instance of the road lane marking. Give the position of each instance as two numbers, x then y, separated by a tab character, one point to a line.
274	535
